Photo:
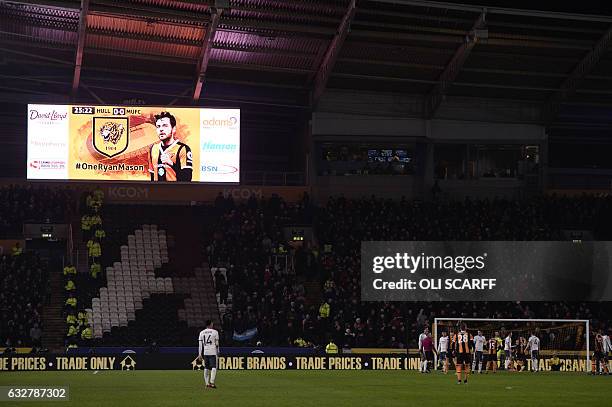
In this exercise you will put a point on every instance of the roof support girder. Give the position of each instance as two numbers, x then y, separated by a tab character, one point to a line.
331	55
207	46
82	32
570	84
452	69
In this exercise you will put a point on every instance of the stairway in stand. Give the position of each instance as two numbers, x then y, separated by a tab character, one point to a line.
190	276
54	324
202	302
186	229
79	257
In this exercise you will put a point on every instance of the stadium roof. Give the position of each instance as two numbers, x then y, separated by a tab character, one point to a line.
172	48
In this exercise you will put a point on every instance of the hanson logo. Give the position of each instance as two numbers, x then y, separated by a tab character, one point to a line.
230	122
219	169
210	146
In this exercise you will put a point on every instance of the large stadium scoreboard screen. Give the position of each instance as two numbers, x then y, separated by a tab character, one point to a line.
133	143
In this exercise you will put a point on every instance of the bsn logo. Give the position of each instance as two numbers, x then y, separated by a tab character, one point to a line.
219	169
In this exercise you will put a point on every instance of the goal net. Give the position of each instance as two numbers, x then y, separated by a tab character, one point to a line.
568	340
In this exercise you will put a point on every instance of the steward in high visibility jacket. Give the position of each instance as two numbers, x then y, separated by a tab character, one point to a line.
69	270
70	286
95	269
82	317
89	201
98	195
72	331
301	343
72	302
324	310
95	250
71	319
87	333
96	220
17	250
331	348
85	222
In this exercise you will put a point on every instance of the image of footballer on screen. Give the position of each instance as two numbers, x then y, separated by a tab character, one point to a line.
169	160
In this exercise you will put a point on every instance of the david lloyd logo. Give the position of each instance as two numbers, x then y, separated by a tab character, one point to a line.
52	115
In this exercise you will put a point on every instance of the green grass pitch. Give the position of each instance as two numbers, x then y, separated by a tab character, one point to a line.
318	388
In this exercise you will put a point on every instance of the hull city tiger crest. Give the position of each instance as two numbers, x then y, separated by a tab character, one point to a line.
110	135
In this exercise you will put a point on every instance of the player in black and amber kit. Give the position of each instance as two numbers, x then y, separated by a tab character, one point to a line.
521	343
492	348
169	160
464	345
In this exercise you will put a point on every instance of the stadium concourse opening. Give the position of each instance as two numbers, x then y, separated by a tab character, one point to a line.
332	202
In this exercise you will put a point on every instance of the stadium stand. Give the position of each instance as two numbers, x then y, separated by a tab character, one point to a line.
149	292
23	292
276	303
19	205
148	280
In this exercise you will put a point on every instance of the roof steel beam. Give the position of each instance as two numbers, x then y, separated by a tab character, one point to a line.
195	43
118	9
570	84
395	37
450	73
81	33
331	55
499	10
207	45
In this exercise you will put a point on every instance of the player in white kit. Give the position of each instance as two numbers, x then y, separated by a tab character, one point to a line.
533	344
479	341
508	350
443	349
209	348
607	347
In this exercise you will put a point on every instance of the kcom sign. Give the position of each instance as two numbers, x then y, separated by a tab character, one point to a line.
128	193
243	193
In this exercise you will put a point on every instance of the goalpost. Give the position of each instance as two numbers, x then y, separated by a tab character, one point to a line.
564	336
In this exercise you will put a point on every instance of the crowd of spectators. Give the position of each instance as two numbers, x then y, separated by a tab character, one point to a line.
244	240
315	297
19	204
276	303
23	282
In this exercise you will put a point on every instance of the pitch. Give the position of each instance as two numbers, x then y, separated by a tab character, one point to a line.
318	388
